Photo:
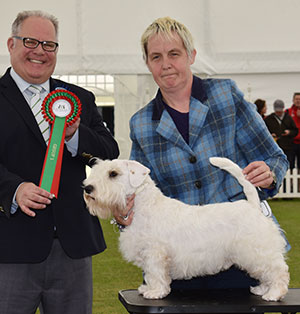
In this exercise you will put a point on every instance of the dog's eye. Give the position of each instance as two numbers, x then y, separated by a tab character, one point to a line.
113	174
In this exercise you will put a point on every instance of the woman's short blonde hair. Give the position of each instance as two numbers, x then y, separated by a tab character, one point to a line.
166	26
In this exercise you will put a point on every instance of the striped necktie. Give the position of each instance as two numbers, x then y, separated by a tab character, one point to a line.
36	107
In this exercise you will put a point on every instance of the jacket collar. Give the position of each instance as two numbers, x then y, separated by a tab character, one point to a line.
23	85
12	93
198	92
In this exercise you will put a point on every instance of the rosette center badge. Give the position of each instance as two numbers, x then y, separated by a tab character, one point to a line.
61	108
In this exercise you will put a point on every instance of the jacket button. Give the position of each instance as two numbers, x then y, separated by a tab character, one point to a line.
87	156
198	184
193	159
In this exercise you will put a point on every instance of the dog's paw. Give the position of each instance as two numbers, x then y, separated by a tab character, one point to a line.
271	297
142	289
157	293
275	294
259	290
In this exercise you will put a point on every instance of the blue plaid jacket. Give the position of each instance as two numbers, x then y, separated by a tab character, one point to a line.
221	123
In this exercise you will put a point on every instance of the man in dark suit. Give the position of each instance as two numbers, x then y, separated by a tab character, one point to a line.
46	243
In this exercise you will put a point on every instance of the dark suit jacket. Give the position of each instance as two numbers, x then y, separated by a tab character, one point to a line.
24	239
287	123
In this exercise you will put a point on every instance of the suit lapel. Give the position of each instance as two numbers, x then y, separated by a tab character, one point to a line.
15	99
198	113
167	129
197	116
53	84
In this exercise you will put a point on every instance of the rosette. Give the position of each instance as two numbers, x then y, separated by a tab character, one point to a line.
61	108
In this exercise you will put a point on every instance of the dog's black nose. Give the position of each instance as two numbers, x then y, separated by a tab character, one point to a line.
88	189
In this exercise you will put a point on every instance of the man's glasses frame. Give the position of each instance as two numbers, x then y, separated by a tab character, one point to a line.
32	43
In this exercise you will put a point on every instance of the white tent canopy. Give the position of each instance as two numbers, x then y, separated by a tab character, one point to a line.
254	42
231	36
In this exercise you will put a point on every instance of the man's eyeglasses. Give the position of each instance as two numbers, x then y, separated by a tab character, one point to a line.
32	43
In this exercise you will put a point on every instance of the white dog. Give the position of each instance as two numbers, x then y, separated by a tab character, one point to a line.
171	240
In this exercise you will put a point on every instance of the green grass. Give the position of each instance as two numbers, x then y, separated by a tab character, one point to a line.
288	215
112	273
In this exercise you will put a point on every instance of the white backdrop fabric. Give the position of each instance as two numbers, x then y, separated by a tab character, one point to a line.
231	36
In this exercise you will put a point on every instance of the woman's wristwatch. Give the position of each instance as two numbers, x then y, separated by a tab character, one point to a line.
273	184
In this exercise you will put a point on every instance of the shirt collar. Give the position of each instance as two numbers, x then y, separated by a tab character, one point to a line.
198	92
23	85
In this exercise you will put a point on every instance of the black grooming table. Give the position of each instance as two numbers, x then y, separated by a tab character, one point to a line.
234	301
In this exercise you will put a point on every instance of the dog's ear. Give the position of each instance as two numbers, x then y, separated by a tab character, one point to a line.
93	161
137	173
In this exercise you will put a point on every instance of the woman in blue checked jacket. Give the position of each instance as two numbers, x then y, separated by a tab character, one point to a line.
191	120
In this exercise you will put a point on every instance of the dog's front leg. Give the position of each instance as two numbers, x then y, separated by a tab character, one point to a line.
156	273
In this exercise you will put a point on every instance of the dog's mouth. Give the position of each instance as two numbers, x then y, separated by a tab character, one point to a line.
88	196
88	191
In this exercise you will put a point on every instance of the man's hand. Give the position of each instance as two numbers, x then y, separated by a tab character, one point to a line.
286	132
31	196
259	174
70	130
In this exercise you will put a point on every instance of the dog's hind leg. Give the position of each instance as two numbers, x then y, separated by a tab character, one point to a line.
156	273
278	287
274	280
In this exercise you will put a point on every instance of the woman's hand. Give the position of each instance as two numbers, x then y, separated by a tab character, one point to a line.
259	174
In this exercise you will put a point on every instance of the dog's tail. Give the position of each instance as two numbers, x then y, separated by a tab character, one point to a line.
236	171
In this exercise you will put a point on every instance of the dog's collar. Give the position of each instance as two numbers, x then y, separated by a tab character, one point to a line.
122	227
141	188
137	191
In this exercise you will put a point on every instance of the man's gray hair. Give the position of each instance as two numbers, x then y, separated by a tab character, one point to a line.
22	16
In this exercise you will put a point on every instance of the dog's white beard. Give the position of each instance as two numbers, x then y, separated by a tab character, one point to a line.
104	210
